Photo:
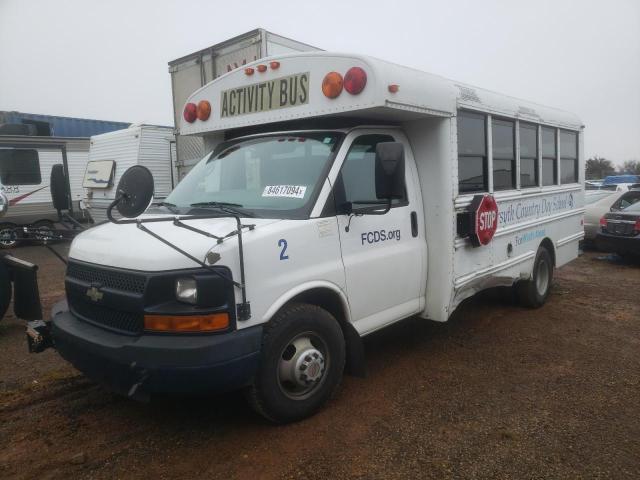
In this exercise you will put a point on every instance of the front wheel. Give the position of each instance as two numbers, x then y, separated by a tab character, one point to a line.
303	355
533	293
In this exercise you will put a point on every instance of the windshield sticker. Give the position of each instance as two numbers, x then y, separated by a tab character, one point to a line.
288	191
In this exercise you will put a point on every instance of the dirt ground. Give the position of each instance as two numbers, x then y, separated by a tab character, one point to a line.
497	392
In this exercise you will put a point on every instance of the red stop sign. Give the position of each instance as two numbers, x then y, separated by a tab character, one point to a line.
485	222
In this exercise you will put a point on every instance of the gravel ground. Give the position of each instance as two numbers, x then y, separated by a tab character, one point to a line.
497	392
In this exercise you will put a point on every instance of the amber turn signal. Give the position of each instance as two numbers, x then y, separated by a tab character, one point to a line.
186	323
332	84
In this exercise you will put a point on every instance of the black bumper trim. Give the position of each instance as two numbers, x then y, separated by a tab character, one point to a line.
618	244
160	363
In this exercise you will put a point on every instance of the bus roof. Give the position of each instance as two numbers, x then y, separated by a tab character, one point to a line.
289	87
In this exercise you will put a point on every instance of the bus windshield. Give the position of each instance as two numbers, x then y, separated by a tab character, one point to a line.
273	176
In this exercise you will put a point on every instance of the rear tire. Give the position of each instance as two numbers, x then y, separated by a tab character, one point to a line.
303	356
533	293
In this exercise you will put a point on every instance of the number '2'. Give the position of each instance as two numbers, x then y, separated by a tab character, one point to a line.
283	243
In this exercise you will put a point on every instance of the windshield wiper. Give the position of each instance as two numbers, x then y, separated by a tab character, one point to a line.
171	206
228	207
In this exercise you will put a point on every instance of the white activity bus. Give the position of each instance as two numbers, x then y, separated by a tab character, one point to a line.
340	194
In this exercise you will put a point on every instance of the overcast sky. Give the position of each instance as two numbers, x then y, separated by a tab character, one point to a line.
108	59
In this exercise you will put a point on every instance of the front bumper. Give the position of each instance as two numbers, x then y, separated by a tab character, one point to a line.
157	363
618	244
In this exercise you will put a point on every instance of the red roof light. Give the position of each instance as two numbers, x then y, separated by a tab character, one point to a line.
190	112
355	80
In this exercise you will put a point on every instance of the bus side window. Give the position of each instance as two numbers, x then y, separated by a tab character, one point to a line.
472	152
568	157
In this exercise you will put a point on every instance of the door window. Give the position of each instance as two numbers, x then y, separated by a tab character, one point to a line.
357	179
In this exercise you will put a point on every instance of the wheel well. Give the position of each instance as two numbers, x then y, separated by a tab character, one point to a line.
330	301
548	244
324	298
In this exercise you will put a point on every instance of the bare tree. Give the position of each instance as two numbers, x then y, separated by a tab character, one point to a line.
598	167
631	167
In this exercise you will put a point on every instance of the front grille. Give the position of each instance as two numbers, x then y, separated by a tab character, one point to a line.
107	317
118	280
620	228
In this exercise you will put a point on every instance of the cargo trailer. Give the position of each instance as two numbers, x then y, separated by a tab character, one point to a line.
110	154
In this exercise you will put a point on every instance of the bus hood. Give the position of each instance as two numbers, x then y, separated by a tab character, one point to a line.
127	246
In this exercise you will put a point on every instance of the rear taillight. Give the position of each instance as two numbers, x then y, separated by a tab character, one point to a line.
190	112
355	80
636	227
603	222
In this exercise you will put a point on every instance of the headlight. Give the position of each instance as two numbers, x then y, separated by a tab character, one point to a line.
186	290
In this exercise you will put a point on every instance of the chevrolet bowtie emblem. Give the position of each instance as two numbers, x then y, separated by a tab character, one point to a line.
94	294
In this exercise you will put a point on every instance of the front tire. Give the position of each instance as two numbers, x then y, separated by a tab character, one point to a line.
303	356
533	293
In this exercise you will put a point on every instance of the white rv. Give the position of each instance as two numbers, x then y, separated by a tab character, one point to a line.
340	194
25	171
110	155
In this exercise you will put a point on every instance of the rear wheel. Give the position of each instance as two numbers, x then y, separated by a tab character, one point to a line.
533	293
303	355
9	235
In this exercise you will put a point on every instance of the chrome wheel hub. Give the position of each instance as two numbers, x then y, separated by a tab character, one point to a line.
302	366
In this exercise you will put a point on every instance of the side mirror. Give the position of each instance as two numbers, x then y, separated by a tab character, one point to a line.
389	170
4	204
134	193
59	193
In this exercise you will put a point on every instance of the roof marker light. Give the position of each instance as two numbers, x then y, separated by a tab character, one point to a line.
393	88
262	68
274	65
249	71
355	80
203	110
189	113
332	85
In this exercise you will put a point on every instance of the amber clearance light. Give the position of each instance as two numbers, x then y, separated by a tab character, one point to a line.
186	323
203	110
332	84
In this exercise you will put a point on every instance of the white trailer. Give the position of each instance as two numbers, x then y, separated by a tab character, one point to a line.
25	171
190	72
111	154
341	194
